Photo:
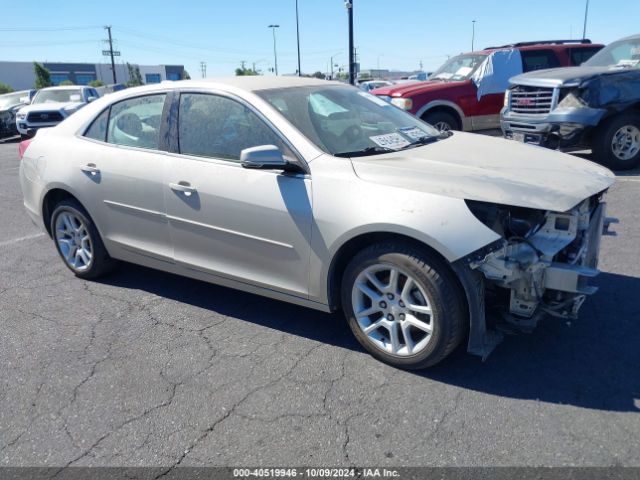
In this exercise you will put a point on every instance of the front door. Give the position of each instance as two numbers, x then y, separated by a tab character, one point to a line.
251	226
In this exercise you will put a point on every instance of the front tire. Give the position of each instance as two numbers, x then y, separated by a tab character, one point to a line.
78	241
616	143
403	305
442	121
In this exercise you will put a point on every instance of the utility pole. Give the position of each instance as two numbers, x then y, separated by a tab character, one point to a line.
203	69
473	33
298	37
275	53
352	66
584	28
113	63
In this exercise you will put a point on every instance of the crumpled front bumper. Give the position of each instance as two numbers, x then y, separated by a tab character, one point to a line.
546	273
561	128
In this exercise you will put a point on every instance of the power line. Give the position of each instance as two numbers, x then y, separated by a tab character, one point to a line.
47	29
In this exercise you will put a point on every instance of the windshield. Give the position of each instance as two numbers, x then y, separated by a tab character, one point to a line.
345	121
11	99
458	68
64	96
623	53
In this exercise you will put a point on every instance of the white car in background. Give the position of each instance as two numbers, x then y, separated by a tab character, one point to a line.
52	105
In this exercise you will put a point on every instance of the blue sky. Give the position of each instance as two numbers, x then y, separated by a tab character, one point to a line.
394	34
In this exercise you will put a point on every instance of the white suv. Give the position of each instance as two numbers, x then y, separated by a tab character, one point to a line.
52	105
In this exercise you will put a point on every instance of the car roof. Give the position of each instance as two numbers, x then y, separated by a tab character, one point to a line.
537	46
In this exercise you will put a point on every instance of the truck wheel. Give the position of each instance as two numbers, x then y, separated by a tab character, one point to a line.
403	305
443	121
616	142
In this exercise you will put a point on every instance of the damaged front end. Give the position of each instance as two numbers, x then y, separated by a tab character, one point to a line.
542	265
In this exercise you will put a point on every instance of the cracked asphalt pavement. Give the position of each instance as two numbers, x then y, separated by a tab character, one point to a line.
145	368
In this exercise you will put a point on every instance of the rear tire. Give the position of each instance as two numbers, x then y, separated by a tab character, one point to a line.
411	319
616	142
442	121
78	241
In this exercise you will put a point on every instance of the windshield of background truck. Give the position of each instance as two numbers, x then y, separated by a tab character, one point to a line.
458	68
64	96
623	54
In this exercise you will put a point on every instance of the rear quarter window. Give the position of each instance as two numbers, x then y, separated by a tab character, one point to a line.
538	60
579	55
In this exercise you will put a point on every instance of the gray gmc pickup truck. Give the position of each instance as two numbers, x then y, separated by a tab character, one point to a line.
596	105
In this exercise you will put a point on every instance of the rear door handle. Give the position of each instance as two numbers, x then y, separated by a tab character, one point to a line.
184	187
90	168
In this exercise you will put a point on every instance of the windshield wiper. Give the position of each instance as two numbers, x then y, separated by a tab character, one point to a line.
375	150
427	139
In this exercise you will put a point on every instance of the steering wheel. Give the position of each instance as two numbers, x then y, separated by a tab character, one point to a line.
351	134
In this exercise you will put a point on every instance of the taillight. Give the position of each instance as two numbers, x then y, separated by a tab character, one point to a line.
22	147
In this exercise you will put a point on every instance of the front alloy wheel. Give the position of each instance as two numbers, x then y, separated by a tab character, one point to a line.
392	310
403	304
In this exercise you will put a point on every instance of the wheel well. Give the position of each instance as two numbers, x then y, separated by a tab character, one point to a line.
347	251
444	109
51	199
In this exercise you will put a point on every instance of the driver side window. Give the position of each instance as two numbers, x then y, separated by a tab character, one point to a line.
219	127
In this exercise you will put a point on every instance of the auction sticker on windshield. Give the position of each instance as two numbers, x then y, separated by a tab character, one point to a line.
394	141
414	133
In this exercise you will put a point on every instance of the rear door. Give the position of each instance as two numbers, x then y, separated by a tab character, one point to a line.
123	170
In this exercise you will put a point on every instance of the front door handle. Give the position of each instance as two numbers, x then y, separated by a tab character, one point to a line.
90	168
184	187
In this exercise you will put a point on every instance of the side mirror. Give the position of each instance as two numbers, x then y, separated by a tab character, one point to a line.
25	100
264	157
91	99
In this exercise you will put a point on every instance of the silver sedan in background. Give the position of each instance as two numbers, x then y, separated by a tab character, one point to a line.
323	195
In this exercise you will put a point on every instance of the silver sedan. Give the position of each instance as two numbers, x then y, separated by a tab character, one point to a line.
323	195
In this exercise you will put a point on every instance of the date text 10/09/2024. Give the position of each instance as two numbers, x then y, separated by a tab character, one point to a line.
315	472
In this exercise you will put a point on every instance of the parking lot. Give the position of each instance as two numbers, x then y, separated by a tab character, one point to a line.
147	368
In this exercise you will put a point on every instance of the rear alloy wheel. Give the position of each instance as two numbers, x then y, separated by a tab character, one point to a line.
403	305
78	241
617	142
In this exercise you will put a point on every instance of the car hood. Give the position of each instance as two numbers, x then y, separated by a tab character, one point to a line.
409	89
565	77
489	169
50	106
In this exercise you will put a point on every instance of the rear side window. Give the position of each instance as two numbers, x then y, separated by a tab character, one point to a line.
538	60
98	129
136	122
579	55
219	127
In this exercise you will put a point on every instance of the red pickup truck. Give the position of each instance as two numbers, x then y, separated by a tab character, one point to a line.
467	92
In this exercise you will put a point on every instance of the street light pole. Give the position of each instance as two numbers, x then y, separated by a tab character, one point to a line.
298	38
352	66
473	33
584	28
275	53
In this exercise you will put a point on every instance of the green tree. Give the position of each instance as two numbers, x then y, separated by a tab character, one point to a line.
318	75
4	88
245	71
64	83
185	75
96	83
43	77
135	78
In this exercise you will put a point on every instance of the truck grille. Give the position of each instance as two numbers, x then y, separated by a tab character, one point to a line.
532	100
46	117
